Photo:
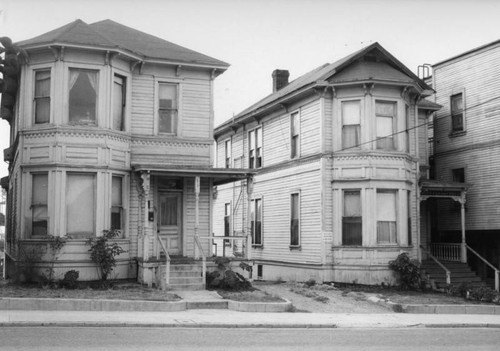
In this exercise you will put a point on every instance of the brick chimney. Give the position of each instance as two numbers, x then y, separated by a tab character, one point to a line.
280	79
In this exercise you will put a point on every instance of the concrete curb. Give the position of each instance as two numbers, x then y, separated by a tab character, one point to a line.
42	304
244	306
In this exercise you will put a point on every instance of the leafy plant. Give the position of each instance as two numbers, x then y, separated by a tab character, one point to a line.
70	279
409	271
103	252
225	278
479	293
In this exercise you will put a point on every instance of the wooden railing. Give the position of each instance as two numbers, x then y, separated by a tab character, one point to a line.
203	257
497	272
447	252
446	270
167	264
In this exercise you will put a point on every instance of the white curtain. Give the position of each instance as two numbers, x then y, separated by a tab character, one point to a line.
386	217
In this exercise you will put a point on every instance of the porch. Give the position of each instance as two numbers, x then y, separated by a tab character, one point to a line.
174	214
449	260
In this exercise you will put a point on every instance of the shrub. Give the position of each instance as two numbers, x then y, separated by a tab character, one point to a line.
225	278
408	270
103	253
70	279
480	293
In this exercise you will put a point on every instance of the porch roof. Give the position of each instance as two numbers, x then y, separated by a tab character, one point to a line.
436	188
219	175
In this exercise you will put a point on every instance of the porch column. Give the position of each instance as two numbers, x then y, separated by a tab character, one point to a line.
196	214
463	256
249	219
145	176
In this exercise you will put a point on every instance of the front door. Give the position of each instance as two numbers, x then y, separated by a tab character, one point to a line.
170	222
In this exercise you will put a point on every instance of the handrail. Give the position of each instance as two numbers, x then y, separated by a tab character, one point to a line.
203	258
497	272
448	273
167	265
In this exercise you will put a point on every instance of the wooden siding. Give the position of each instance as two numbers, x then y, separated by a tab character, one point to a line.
477	77
143	95
196	109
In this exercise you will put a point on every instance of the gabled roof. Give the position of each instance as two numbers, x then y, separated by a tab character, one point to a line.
110	35
479	48
326	74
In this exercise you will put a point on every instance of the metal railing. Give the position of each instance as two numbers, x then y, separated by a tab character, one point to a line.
447	252
167	264
446	270
203	257
497	272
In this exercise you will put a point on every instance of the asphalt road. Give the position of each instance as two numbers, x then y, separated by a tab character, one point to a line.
127	338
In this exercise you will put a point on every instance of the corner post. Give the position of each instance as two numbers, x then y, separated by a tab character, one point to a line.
196	214
249	219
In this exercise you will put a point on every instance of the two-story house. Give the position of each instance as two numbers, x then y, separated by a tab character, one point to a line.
466	149
111	129
338	154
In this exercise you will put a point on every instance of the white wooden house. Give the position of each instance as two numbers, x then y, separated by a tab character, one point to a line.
112	129
338	154
466	147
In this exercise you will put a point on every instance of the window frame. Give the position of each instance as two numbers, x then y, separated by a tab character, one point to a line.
344	103
34	206
458	175
393	134
253	211
395	225
124	107
255	151
98	72
227	222
42	97
459	112
346	220
120	207
297	244
175	124
228	152
295	135
80	235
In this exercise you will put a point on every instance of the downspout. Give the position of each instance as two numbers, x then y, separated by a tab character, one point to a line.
417	173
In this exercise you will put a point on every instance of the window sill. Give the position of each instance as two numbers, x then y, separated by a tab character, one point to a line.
295	248
457	134
257	246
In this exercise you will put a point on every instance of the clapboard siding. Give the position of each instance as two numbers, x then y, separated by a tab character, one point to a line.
143	95
310	128
477	76
196	109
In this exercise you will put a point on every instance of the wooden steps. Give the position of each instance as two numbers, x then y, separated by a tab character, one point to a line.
184	276
460	273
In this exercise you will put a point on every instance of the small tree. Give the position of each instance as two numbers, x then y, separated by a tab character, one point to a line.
408	270
103	253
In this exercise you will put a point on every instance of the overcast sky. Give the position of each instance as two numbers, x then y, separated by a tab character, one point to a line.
258	36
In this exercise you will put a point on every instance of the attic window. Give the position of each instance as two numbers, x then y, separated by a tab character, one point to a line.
83	86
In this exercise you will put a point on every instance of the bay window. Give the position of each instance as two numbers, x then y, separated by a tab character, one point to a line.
351	124
119	99
352	219
42	97
80	204
385	113
39	211
386	216
117	203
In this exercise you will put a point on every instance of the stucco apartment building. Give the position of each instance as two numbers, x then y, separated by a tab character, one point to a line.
111	128
338	155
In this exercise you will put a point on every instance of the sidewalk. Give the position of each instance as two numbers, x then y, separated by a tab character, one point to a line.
204	318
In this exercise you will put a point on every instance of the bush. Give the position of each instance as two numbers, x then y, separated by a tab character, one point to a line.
409	271
225	278
70	279
103	253
481	293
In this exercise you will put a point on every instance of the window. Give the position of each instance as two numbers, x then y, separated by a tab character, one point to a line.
80	204
42	97
386	217
256	221
255	148
407	132
119	99
168	105
39	194
295	220
352	218
295	136
457	113
458	175
227	221
408	211
385	113
117	203
83	86
351	124
228	153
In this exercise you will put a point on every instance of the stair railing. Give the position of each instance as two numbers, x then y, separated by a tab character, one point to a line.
203	258
497	272
447	271
167	264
